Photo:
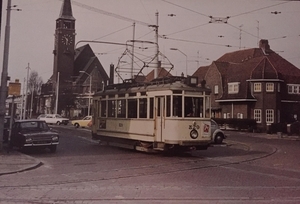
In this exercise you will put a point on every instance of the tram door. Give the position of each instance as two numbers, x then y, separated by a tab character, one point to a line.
159	117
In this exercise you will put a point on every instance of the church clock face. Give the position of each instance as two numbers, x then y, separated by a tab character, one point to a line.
67	39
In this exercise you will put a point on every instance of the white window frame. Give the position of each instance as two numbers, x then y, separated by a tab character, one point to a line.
293	88
233	87
257	115
240	115
216	89
269	116
257	87
269	87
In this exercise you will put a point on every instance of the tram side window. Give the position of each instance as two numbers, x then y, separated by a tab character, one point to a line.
168	108
193	107
103	108
121	104
151	107
132	108
177	106
143	108
111	108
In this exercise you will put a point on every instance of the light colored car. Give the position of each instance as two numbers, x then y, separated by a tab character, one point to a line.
217	135
84	122
54	119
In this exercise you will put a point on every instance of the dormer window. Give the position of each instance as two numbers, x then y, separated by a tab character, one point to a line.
257	87
270	87
233	87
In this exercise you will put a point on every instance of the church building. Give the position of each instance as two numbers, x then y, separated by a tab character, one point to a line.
77	73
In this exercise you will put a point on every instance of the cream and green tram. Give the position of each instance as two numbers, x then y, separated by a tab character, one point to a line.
166	114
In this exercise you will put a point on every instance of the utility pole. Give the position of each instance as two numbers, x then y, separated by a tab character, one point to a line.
132	59
157	48
240	36
4	76
57	92
22	100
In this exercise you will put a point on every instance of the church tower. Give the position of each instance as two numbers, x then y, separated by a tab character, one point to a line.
64	52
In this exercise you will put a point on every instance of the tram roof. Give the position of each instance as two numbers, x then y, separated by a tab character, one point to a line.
168	83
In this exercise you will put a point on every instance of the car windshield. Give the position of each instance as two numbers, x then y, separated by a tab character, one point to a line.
34	126
58	116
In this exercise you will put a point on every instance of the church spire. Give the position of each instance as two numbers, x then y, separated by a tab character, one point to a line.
66	11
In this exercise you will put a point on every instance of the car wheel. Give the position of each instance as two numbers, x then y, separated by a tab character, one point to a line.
76	125
58	123
219	138
53	148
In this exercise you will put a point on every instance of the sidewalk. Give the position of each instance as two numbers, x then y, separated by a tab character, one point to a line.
15	162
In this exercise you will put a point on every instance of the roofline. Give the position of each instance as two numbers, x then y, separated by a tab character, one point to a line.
280	80
237	100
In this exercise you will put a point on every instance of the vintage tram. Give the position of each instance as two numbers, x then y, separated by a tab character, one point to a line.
165	114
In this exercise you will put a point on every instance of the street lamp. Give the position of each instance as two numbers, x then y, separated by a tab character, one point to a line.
186	60
90	95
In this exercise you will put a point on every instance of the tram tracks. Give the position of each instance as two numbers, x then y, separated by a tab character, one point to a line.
191	164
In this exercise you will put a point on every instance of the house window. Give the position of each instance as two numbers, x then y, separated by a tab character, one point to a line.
233	87
270	87
293	88
226	115
240	115
257	115
216	89
257	87
269	116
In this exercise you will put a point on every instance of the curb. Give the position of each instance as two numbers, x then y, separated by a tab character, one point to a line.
23	170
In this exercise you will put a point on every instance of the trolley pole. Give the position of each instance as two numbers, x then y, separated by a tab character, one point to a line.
4	76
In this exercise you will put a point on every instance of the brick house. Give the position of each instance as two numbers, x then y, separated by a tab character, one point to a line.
254	83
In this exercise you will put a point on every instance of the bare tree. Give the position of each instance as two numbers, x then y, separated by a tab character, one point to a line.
34	87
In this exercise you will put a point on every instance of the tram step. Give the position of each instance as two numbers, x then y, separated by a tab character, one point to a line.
158	149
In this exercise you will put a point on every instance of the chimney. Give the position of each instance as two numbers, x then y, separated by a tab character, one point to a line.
264	45
111	74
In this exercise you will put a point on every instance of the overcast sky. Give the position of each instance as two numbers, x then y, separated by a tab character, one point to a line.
188	29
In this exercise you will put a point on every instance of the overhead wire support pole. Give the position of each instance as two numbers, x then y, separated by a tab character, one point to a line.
157	47
132	59
4	76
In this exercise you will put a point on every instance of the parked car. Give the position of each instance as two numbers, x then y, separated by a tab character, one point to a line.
217	134
54	119
84	122
33	132
6	128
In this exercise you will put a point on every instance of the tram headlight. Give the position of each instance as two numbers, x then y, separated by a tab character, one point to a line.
194	133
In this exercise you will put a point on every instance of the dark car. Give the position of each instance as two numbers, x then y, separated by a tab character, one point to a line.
33	133
6	128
